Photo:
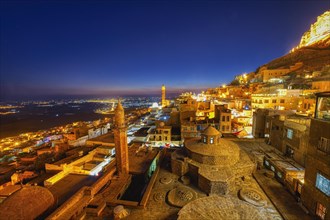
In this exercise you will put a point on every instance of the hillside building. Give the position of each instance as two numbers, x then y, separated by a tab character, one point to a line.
316	190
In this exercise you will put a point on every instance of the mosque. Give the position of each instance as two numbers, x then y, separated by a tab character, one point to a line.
211	162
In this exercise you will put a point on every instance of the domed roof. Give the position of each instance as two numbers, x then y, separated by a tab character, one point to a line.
161	124
27	203
211	131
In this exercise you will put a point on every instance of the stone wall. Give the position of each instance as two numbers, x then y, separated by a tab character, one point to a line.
193	172
178	167
213	187
310	194
316	162
178	164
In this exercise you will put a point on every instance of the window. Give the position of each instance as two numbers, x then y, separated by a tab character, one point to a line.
204	139
267	163
165	138
282	101
227	128
289	134
223	118
323	184
323	108
211	140
266	101
321	210
324	145
299	187
289	151
227	118
274	101
223	127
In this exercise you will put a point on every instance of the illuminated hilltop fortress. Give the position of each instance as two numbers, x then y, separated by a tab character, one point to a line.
318	32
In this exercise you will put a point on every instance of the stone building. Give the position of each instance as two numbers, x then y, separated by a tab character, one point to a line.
205	110
275	130
295	138
223	117
322	84
316	189
259	123
280	99
260	128
188	130
160	134
211	162
188	109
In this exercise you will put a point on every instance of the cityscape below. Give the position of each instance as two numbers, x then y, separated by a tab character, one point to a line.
254	147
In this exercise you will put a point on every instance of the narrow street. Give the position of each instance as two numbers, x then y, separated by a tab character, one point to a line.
282	199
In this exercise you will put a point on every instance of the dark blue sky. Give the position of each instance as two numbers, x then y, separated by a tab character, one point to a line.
132	47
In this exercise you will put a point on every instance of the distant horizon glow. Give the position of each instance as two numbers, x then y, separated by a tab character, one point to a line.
112	48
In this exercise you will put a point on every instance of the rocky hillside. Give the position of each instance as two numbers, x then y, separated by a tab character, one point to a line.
314	58
313	50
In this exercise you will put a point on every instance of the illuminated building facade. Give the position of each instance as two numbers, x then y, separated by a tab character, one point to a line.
295	138
160	134
316	190
223	116
284	99
261	124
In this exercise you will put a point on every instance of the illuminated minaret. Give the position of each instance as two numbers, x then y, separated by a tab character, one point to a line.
121	140
163	96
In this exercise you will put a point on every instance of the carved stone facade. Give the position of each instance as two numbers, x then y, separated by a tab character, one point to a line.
319	31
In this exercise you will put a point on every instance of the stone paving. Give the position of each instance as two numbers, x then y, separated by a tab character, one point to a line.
263	196
281	198
285	203
159	207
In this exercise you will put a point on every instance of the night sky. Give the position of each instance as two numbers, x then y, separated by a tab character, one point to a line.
133	47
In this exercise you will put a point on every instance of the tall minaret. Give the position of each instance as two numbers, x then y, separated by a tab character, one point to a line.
163	96
121	140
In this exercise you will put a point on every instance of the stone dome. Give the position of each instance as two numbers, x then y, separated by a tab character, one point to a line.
222	153
161	124
30	202
211	131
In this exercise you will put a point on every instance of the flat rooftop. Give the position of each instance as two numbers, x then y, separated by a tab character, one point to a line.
41	178
142	132
67	160
140	158
105	138
69	185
